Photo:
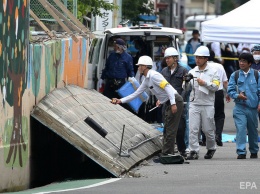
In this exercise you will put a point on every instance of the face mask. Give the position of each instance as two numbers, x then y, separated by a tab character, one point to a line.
118	51
256	57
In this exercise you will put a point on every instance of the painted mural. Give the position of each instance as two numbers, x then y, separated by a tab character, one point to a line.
27	73
74	58
14	43
57	61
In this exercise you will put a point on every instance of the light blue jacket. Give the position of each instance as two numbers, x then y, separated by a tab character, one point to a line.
245	84
189	51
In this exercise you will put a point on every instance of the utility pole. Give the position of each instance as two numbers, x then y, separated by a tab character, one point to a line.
218	7
171	13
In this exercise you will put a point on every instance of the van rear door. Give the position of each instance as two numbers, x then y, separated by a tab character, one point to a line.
157	39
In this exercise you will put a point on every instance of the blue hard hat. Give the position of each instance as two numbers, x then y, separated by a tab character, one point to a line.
256	48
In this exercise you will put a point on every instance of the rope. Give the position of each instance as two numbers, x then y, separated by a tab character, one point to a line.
217	57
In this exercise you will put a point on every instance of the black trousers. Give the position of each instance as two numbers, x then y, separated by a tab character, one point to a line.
180	138
171	123
111	88
219	113
110	91
192	65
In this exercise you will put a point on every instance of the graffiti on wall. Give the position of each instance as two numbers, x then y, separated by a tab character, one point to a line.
52	64
74	58
14	28
57	61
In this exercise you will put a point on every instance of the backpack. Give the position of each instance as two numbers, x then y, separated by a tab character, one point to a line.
255	73
172	159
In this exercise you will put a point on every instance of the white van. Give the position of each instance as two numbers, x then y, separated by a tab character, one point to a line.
194	23
156	40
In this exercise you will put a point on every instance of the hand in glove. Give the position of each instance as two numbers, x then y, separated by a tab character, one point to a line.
100	82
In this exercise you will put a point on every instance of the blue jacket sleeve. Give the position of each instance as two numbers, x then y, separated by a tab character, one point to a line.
187	48
103	75
232	87
258	88
130	67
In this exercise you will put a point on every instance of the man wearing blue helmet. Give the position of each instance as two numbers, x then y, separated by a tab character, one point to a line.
256	54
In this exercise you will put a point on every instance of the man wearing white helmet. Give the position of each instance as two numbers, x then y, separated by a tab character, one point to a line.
174	74
165	94
201	109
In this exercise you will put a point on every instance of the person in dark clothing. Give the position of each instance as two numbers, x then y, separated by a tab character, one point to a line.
119	66
256	64
142	48
229	65
256	54
174	74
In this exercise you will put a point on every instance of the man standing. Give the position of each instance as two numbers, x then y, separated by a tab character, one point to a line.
245	91
216	48
174	74
119	66
219	98
165	94
191	47
201	110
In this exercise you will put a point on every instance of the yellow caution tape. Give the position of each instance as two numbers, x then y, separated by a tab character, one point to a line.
225	58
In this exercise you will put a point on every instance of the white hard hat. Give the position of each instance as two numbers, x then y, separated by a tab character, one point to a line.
145	60
171	52
202	51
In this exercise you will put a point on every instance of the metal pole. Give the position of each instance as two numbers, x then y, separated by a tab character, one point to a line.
122	140
217	7
75	8
171	13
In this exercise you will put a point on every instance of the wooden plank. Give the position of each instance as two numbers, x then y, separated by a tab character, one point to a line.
70	23
54	15
51	35
71	16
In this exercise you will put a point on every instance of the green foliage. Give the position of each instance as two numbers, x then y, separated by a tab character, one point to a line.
131	9
94	7
241	2
229	5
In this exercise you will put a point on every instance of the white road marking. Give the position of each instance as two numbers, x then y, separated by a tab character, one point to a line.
86	187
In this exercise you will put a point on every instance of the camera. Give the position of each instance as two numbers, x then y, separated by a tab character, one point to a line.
188	77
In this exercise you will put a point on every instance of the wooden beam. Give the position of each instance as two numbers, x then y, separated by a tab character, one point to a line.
51	35
71	16
68	22
54	15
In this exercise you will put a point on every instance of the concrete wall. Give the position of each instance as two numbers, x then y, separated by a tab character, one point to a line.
28	72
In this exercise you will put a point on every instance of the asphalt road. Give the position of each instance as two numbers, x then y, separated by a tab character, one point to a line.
222	174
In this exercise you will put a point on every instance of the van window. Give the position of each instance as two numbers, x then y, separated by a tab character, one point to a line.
110	46
97	51
190	25
91	50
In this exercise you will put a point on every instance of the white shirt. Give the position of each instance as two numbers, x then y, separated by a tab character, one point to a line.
198	97
221	73
244	45
158	85
215	46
